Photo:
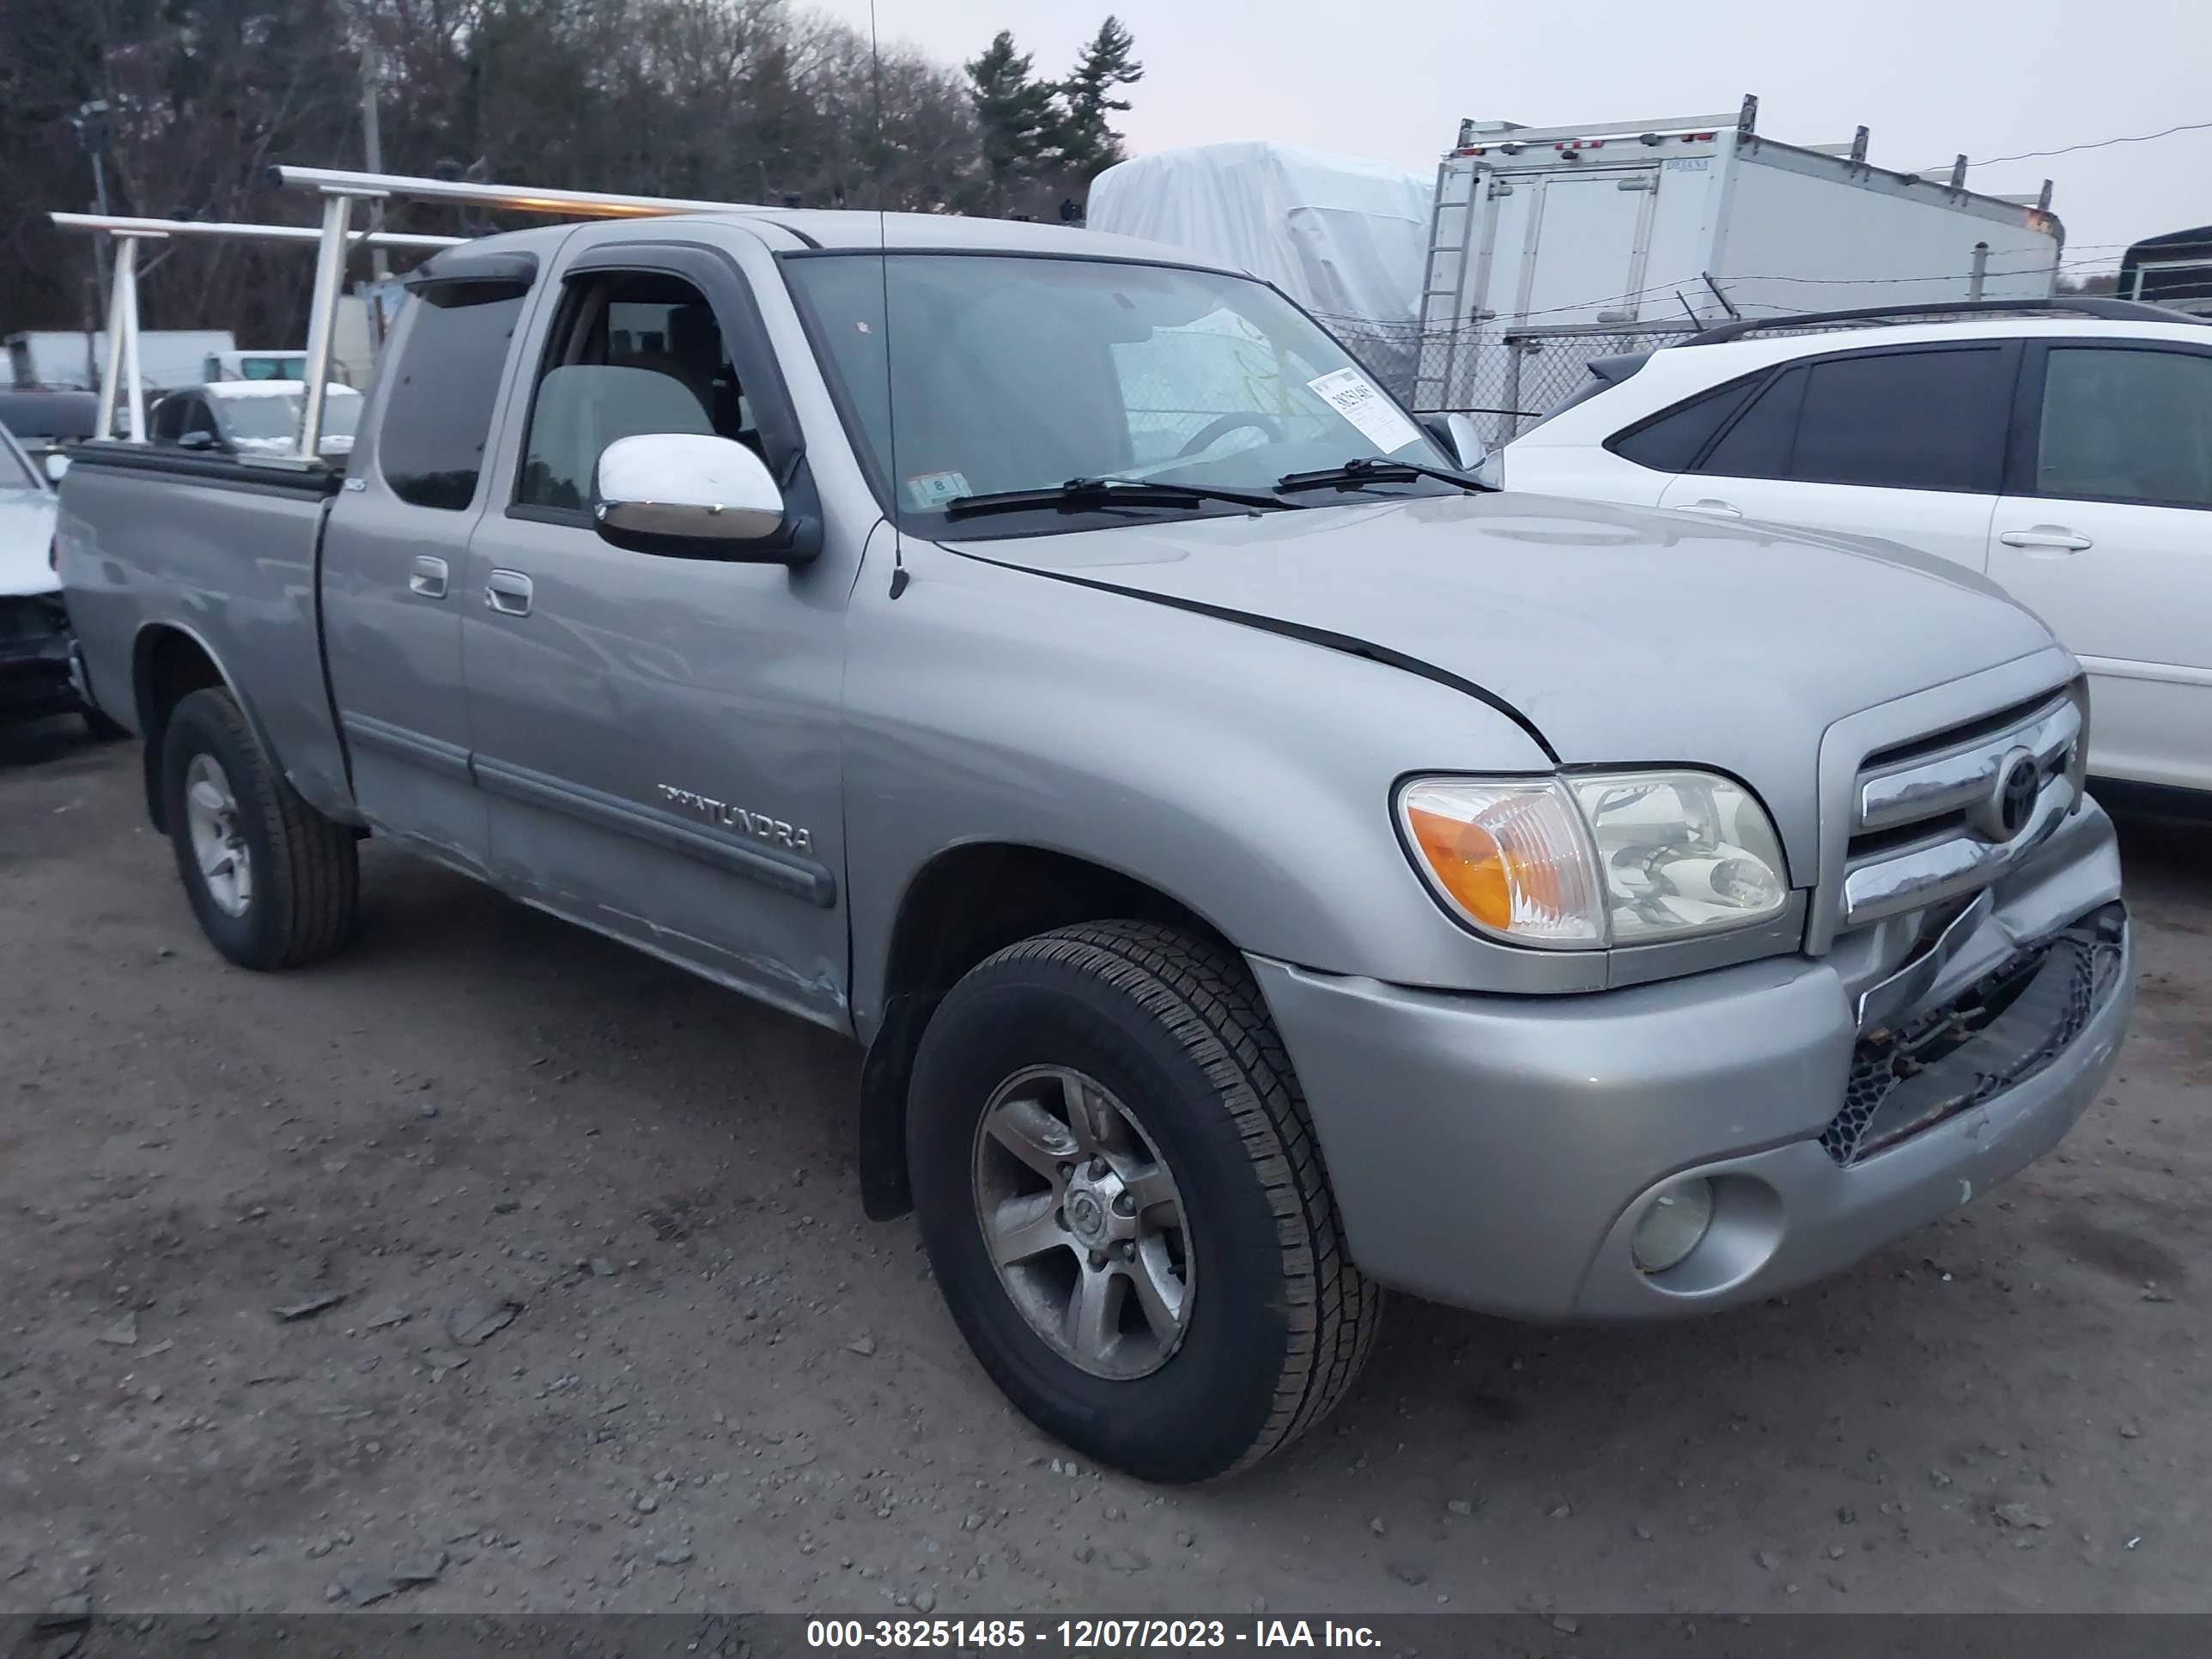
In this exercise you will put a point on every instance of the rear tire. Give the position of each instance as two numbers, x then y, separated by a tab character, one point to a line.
273	883
1243	1321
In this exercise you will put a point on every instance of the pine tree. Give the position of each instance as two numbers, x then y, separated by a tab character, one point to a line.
1087	143
1016	114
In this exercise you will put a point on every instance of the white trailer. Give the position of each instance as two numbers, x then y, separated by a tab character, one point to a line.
1571	242
64	357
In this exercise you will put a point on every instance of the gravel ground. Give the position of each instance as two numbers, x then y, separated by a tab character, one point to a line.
493	1266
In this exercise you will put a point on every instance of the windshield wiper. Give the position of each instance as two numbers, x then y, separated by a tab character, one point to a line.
1372	469
1080	494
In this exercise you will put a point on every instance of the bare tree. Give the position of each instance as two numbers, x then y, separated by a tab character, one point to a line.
726	100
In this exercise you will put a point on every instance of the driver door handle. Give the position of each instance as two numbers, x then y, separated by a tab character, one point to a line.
2056	536
1709	506
427	577
507	592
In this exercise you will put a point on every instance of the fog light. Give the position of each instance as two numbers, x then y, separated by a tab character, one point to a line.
1672	1225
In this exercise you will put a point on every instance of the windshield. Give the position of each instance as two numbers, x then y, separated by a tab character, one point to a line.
275	413
1009	372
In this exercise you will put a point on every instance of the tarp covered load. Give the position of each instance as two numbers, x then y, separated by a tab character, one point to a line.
1346	238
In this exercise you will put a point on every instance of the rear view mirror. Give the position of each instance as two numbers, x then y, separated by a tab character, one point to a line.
56	464
689	495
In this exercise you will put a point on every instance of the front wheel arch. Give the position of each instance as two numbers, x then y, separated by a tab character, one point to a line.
966	902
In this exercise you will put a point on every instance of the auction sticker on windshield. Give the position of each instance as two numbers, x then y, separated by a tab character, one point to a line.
930	490
1356	398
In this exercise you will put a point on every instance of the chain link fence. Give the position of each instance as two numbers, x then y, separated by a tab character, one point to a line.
1504	378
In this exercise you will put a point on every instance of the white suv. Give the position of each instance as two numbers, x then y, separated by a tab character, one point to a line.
2068	457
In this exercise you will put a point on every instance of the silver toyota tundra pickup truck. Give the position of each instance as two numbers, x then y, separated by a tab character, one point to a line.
1263	866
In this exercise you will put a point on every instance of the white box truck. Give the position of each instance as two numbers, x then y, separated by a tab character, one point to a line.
66	357
1550	247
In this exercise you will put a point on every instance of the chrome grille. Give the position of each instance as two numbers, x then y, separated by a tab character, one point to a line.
1928	820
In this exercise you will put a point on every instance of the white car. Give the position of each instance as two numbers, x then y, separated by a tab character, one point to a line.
36	651
2067	456
251	418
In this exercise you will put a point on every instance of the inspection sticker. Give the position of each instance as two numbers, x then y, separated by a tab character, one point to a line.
932	490
1353	396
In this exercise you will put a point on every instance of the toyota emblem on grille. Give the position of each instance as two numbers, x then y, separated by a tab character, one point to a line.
2012	800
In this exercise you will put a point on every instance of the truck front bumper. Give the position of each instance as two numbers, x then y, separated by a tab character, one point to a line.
1497	1152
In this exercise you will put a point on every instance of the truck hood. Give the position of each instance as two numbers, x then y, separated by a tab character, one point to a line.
27	531
1621	636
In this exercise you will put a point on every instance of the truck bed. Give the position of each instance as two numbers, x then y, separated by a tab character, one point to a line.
224	552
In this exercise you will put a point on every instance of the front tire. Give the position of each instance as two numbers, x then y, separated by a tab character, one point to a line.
273	882
1123	1199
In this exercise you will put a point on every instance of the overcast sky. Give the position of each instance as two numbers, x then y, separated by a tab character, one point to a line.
1930	77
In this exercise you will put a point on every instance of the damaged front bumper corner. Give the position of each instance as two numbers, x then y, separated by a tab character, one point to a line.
1499	1152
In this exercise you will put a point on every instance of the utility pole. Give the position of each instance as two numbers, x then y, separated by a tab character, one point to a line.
90	125
372	140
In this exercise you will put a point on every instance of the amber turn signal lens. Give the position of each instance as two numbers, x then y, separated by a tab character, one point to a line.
1509	855
1467	863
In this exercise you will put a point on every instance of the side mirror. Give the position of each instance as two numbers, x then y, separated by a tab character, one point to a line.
690	496
1457	435
197	440
56	464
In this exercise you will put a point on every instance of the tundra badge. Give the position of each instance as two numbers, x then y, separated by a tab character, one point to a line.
759	825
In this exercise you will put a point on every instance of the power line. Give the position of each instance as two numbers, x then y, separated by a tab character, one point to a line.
2097	144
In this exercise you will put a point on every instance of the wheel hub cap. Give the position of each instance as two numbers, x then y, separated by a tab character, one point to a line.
218	844
1086	1216
1084	1222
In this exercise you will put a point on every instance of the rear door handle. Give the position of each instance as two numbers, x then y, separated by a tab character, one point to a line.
1708	504
507	592
2056	536
428	578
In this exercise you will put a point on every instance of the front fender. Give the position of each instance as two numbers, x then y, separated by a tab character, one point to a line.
1246	775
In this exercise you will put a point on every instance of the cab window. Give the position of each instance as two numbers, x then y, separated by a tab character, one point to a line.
631	353
430	441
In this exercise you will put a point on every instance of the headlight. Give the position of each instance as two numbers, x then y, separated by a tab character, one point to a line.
1596	858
